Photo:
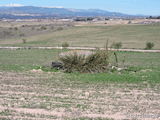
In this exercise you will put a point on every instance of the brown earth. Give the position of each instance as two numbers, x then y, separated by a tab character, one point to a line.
47	96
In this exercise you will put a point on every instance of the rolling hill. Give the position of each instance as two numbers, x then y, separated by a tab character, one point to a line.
45	12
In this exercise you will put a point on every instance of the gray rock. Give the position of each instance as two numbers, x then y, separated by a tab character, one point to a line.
57	65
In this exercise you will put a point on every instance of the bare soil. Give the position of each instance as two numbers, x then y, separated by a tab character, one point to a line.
47	96
83	48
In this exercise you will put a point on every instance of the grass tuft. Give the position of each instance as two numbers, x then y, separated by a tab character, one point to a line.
85	62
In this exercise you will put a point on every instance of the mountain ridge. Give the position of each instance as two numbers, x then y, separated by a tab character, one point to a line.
56	12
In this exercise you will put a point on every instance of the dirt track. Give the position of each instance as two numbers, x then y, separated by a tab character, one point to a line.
84	48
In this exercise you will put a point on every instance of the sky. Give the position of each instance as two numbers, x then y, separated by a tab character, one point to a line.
145	7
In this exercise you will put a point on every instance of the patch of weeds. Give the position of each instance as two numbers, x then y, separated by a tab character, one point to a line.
5	112
116	45
5	118
130	75
48	116
38	115
17	67
152	77
13	67
106	77
64	100
24	41
127	70
63	105
27	114
135	69
45	68
44	97
65	45
36	105
81	106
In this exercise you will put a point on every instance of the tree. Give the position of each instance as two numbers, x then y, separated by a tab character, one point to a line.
149	45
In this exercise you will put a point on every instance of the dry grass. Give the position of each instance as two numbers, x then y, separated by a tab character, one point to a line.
131	36
86	61
10	32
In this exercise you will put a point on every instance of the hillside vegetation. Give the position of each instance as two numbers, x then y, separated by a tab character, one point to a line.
131	36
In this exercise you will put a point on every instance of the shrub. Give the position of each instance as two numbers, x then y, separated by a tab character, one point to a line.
90	18
107	19
129	22
149	45
60	28
10	28
16	28
85	61
7	33
21	34
43	28
52	27
65	45
117	45
80	19
24	41
33	28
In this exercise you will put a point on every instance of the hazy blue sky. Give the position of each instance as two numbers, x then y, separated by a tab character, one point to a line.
148	7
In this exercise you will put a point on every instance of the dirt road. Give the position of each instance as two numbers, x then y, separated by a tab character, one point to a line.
84	48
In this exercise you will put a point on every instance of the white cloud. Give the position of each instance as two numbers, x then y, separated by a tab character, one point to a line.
19	5
54	7
12	5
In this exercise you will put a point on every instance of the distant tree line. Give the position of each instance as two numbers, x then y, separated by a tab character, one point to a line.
153	17
83	19
90	18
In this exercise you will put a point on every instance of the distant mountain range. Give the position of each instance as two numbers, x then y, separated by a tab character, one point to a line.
27	12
